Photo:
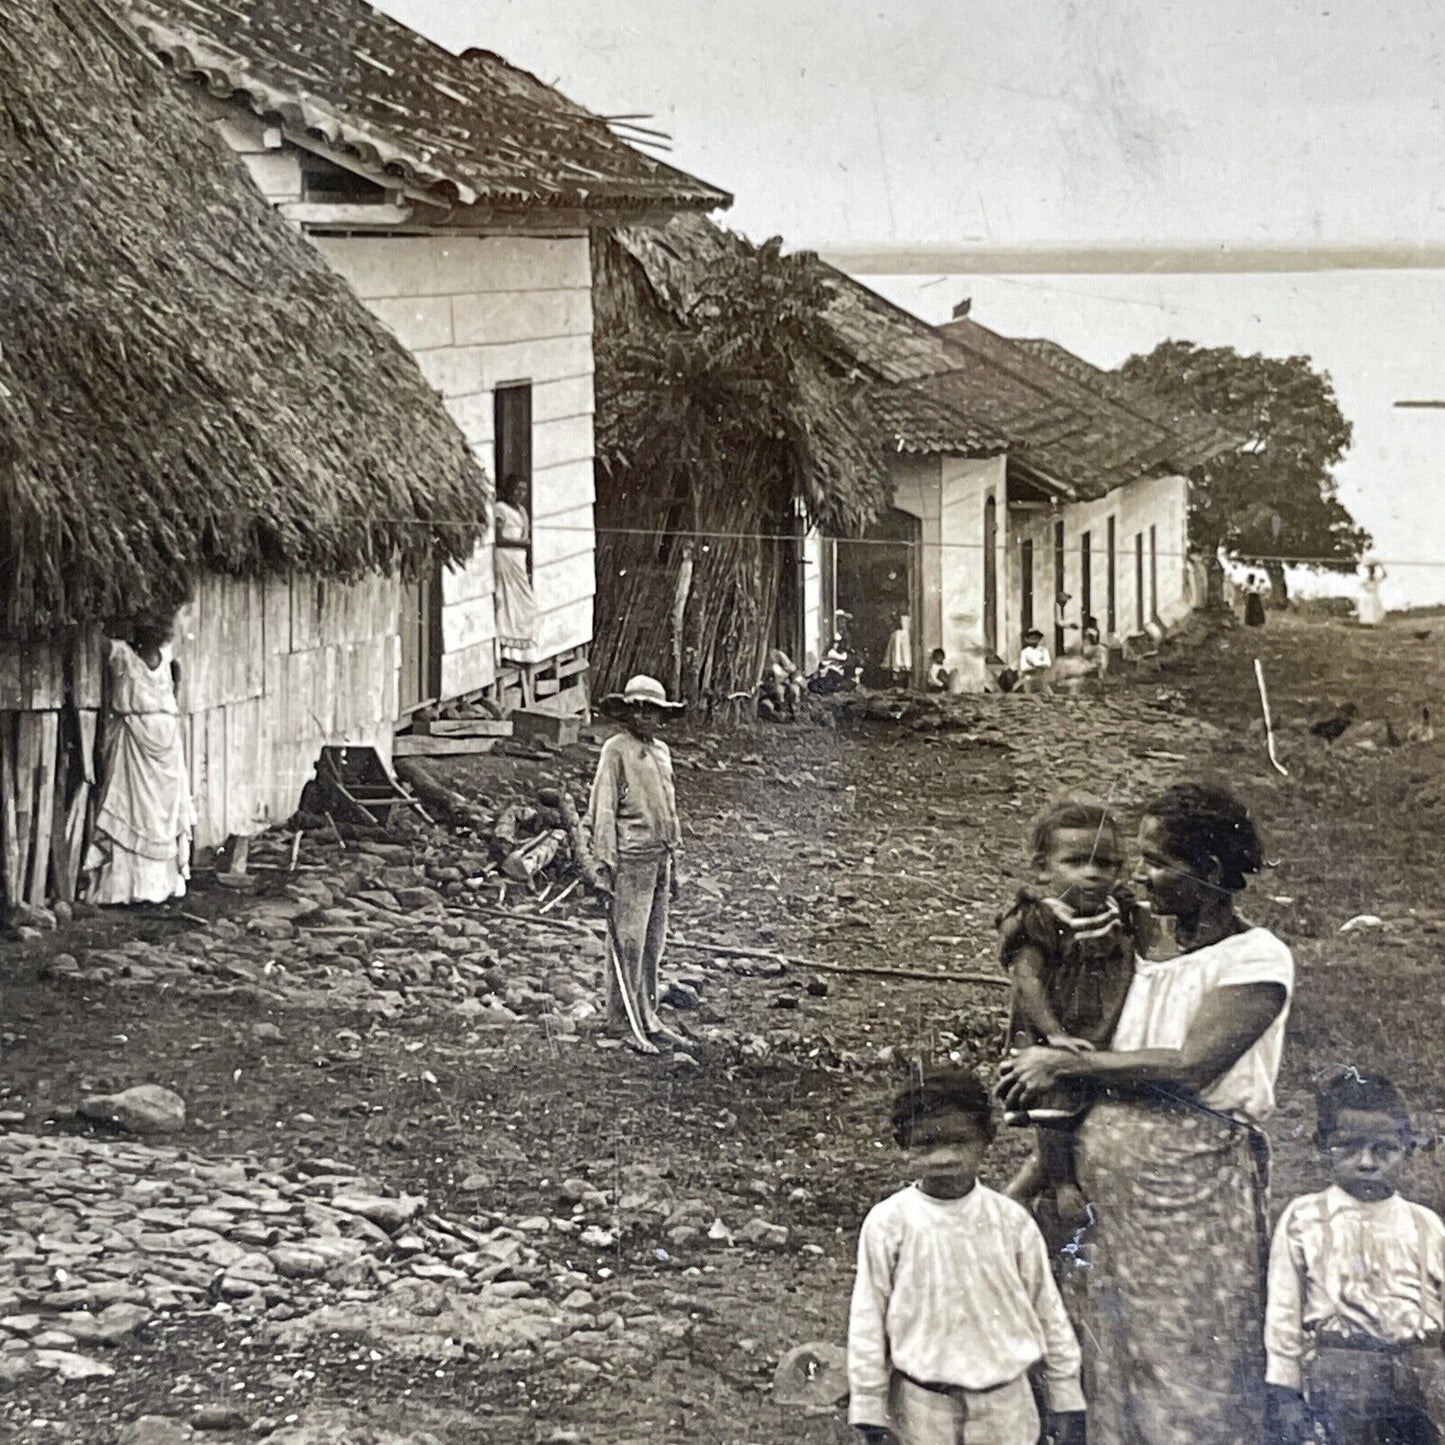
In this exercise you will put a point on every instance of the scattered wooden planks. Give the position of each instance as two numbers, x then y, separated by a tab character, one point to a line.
440	747
469	727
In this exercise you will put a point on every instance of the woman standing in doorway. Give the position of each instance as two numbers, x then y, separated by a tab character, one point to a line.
1171	1156
516	604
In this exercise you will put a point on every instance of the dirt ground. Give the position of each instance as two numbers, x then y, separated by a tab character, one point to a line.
869	844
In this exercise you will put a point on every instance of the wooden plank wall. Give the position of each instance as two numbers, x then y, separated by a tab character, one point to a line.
271	673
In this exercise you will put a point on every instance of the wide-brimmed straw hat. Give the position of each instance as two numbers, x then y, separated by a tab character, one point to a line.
644	691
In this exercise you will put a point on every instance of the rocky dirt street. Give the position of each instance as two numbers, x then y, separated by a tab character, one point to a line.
408	1196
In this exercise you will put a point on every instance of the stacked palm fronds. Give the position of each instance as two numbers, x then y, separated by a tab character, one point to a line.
723	428
184	385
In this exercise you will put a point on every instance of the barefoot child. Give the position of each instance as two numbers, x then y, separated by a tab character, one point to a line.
1068	942
632	820
954	1303
1356	1274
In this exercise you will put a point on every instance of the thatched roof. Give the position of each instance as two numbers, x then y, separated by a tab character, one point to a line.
186	384
471	128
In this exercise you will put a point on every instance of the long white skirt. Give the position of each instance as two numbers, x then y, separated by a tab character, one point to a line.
140	849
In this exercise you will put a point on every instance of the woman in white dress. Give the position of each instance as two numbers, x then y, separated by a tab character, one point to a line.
1371	609
516	604
140	849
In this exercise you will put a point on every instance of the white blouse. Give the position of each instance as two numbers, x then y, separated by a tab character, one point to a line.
1165	998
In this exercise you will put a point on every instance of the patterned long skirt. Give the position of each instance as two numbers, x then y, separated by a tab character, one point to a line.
1172	1318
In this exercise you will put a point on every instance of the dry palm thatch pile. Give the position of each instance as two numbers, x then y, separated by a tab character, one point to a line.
723	427
186	386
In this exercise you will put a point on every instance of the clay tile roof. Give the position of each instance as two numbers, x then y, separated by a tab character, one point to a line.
1080	426
471	128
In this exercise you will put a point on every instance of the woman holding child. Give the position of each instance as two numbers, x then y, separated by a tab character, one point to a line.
1170	1155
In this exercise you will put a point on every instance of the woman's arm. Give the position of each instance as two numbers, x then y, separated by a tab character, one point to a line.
1228	1022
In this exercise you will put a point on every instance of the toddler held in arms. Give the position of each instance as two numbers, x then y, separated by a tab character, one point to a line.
1068	941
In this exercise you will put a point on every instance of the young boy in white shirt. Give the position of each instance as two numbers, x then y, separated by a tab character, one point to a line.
1357	1284
954	1303
1035	663
633	824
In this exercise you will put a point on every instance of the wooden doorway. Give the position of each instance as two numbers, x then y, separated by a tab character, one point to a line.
878	577
420	625
990	576
1026	585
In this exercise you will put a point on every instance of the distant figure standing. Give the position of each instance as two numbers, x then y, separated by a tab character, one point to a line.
141	845
1371	609
516	604
1255	588
898	659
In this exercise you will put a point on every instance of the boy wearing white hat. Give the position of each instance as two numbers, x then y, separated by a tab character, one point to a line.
632	818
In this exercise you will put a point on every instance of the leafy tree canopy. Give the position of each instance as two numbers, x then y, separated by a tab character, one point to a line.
1277	496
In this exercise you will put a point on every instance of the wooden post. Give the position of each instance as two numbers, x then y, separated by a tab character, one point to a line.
9	827
64	888
27	761
48	736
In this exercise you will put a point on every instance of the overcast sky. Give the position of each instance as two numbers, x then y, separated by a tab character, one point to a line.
848	123
1088	123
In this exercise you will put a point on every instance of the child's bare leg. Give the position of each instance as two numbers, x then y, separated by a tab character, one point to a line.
1030	1181
1056	1155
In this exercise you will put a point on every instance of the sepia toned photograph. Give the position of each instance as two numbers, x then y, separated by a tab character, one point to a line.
718	722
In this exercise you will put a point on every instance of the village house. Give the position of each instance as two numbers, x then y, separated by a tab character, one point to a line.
1081	489
194	409
1119	546
455	194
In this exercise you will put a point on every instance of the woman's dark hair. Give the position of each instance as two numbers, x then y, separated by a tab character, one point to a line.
1072	812
1340	1087
1207	826
959	1089
512	487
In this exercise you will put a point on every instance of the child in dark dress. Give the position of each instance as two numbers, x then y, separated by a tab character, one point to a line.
1068	941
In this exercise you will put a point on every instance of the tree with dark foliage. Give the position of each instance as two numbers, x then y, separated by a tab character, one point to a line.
1277	496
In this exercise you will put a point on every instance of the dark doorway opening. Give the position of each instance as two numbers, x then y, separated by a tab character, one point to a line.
877	580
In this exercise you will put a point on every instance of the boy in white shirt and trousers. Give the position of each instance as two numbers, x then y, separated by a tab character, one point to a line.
632	820
1353	1329
954	1302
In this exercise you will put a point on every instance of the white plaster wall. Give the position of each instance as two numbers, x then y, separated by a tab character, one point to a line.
479	312
483	312
813	643
967	483
1161	502
917	491
948	496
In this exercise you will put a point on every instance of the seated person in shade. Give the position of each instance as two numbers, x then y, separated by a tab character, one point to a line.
1036	663
940	676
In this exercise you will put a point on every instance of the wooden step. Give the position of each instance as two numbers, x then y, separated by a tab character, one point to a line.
464	727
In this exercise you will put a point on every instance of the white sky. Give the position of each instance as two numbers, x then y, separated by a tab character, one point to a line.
1017	123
